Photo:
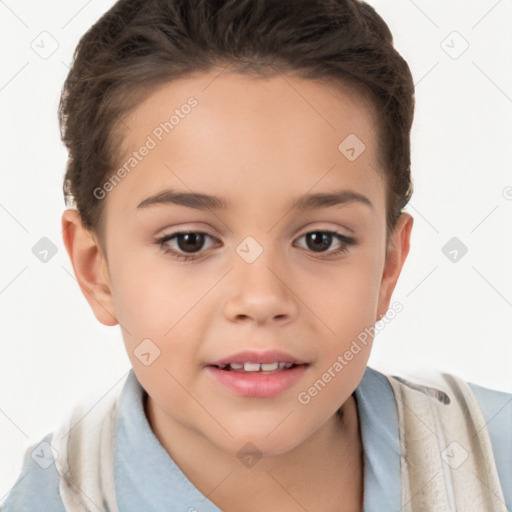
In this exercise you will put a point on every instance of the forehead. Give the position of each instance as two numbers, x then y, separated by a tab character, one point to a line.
245	138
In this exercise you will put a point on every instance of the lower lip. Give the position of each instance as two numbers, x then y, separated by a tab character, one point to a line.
258	385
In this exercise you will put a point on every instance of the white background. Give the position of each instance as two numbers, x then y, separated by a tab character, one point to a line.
456	316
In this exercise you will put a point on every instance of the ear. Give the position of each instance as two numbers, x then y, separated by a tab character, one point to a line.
396	253
89	265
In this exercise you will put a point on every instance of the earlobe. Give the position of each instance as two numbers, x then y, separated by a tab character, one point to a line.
397	252
90	266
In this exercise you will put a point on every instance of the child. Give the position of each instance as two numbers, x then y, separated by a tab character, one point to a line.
256	129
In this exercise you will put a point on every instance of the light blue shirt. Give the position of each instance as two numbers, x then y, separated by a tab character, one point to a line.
147	478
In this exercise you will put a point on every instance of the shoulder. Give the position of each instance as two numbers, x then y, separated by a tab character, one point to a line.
496	408
37	486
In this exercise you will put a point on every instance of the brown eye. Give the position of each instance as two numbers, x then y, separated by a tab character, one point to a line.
318	241
189	242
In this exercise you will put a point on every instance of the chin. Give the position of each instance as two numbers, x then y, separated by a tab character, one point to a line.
259	443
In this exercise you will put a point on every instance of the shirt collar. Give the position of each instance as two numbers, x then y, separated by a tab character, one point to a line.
147	478
379	432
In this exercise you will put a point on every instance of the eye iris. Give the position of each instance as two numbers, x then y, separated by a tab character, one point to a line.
325	239
192	240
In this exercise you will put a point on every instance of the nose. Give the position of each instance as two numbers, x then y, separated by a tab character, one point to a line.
261	292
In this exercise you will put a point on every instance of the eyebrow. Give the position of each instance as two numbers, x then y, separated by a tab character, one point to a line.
201	201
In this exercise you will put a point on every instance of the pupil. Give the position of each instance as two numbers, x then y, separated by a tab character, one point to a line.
319	236
192	240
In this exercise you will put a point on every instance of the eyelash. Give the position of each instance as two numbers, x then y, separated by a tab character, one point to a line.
346	242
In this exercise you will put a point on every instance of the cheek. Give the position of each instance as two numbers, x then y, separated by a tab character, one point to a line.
149	297
346	297
164	309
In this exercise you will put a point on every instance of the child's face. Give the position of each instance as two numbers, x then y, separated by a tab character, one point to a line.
258	144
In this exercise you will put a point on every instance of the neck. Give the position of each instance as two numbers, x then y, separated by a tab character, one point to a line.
323	472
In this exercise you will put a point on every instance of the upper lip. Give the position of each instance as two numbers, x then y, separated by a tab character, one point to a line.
253	356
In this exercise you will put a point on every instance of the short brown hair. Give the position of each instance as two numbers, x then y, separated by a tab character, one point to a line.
140	44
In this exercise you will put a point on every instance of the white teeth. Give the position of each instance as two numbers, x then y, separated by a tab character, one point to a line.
269	366
252	367
256	367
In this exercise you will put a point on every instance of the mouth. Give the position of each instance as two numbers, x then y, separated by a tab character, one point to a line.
257	368
258	374
258	380
258	361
